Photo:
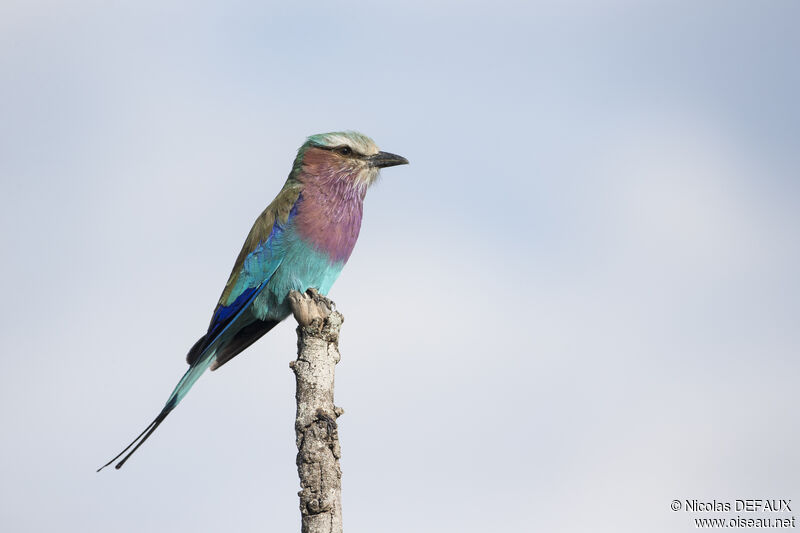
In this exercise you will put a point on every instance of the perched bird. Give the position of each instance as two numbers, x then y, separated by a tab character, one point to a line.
301	240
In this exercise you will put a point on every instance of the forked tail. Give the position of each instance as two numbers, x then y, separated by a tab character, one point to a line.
183	386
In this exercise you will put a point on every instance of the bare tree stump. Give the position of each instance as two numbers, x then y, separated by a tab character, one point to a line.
318	450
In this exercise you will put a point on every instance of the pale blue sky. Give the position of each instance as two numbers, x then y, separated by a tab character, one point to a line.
579	301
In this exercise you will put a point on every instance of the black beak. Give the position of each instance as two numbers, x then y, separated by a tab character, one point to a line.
385	159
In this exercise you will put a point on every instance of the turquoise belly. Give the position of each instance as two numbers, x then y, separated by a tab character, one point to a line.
303	267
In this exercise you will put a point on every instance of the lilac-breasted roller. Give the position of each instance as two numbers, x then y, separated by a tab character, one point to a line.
301	240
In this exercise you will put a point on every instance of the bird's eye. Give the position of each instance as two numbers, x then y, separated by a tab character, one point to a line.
344	150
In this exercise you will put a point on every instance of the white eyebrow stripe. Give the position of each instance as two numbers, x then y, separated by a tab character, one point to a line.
356	141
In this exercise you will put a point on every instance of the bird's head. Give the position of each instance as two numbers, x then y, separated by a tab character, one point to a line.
346	156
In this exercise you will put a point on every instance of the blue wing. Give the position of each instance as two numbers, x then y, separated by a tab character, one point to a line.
259	260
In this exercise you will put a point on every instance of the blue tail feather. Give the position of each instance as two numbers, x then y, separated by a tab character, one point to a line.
183	386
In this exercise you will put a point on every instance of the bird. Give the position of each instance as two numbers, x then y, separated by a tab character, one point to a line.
300	241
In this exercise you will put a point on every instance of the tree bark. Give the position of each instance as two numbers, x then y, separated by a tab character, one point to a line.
318	450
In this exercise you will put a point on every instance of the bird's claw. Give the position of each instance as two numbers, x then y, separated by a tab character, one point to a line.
314	293
308	307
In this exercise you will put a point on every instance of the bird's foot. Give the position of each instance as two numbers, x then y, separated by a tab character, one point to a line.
309	306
